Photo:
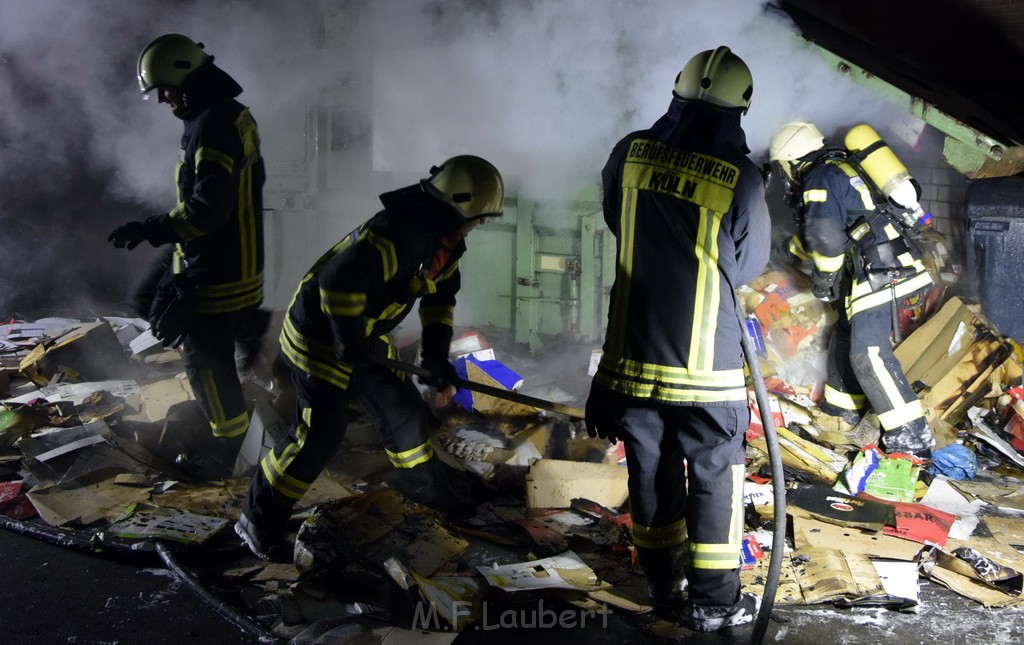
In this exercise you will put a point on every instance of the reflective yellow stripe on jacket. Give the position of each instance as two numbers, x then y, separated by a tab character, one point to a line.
707	183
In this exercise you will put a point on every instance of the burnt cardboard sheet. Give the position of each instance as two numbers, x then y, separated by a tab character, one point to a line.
554	483
814	533
85	454
1008	531
974	573
219	499
788	591
1003	493
89	352
77	503
829	575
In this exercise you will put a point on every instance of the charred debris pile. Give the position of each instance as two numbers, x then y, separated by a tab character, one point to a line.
94	414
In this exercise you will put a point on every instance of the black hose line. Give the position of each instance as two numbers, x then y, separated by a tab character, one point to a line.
771	584
235	617
82	541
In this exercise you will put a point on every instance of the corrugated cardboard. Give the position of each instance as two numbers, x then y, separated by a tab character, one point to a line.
809	532
553	483
495	374
934	348
370	528
828	574
90	350
956	355
158	397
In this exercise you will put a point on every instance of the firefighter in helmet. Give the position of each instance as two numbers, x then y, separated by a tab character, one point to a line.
687	208
210	295
340	318
865	260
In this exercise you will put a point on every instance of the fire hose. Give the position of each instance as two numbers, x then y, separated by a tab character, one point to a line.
771	439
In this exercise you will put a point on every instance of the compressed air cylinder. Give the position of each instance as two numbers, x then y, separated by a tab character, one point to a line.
882	166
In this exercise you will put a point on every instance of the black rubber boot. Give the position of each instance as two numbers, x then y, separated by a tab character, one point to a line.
663	570
430	484
914	438
212	461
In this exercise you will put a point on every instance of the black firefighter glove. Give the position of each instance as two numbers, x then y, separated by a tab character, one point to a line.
171	313
149	230
131	235
599	423
825	285
442	373
162	299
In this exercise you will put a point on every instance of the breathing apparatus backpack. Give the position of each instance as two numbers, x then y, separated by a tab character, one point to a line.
895	194
886	175
893	190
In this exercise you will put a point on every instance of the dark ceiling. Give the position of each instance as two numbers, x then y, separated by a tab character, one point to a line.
965	57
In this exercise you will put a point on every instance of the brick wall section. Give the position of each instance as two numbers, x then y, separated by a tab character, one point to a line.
944	195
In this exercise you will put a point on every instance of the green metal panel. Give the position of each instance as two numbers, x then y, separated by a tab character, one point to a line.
590	278
487	277
968	150
606	242
542	274
526	287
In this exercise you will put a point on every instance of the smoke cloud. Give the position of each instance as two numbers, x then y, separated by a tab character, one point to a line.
542	88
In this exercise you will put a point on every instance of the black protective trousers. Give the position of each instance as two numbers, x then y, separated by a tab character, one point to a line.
394	407
209	353
862	369
686	472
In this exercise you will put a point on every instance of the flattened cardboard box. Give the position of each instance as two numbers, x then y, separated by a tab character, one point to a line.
952	353
553	483
158	397
828	575
815	533
90	350
372	527
934	348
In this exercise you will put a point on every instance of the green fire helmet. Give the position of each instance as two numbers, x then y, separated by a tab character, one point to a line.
471	184
718	77
169	60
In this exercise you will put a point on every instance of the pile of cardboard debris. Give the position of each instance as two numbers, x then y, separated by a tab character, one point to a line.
865	525
94	413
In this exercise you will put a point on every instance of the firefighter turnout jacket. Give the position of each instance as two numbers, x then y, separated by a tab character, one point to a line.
691	227
844	231
884	262
364	286
217	225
